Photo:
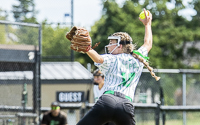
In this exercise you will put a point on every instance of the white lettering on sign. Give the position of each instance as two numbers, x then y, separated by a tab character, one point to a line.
70	96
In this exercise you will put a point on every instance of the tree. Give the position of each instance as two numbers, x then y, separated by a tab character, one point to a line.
55	46
27	35
195	19
2	34
171	31
2	29
23	10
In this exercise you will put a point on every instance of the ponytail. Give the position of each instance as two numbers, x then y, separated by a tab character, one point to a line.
146	64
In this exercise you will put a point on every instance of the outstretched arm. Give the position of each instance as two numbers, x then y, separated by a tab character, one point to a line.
95	56
148	32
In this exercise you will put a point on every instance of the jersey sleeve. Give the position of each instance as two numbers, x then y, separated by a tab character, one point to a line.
143	51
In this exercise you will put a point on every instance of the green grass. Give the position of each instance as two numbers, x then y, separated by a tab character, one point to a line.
171	122
172	118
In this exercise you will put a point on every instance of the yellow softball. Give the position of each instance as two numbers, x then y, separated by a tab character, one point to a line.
142	15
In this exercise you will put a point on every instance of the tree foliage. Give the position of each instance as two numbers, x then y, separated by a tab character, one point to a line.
170	30
2	29
25	12
25	9
55	46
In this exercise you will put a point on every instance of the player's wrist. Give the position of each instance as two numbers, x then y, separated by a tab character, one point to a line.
89	50
148	24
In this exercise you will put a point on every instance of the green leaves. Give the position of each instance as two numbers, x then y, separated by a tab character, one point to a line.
22	11
170	30
55	46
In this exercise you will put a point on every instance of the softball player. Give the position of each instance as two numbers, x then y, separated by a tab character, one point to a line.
122	72
98	88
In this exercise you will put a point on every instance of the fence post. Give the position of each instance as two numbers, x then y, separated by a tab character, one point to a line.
162	103
184	97
157	113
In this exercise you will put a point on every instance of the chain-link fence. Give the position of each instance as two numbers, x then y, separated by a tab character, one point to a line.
19	72
175	88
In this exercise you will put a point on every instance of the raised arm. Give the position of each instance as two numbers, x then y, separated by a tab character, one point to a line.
95	56
148	32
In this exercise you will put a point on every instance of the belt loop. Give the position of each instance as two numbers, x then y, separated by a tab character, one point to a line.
115	93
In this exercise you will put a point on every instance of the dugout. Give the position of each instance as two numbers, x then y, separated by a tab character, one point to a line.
17	57
67	82
14	60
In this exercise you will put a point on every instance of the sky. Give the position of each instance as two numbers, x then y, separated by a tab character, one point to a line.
86	12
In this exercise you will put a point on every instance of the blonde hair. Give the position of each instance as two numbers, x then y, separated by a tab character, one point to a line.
128	47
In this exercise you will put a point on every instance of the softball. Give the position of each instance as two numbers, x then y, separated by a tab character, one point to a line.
142	15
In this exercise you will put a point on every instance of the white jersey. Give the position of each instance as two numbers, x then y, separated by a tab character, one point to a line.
97	92
122	72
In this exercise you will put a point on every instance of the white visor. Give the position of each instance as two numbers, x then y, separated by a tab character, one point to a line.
115	37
